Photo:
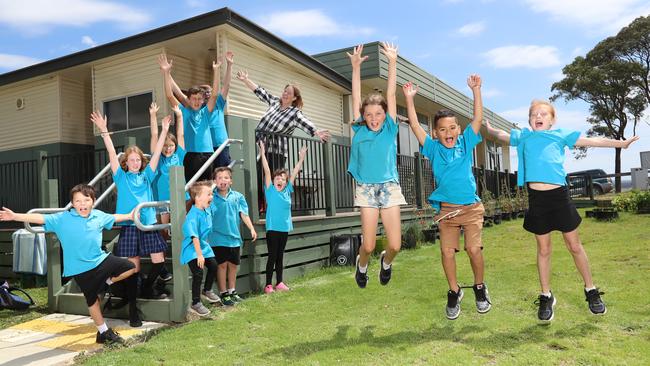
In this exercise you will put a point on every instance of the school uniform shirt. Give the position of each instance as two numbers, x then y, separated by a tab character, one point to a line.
196	124
282	121
218	130
198	224
226	219
133	189
80	237
452	169
161	181
541	154
278	208
373	156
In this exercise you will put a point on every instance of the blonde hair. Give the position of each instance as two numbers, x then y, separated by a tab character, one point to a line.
373	99
197	187
130	150
538	102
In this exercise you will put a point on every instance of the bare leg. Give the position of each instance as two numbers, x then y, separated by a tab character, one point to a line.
96	313
449	266
476	260
390	217
221	276
544	261
369	220
572	241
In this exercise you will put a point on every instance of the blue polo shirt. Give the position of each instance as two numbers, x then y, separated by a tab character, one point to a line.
80	237
197	129
278	208
197	223
133	189
452	169
541	154
161	181
373	156
217	123
226	219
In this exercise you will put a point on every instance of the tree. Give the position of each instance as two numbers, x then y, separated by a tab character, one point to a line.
633	45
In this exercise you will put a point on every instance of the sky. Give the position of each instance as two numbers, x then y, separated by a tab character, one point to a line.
519	47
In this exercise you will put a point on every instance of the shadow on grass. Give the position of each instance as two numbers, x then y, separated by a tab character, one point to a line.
467	335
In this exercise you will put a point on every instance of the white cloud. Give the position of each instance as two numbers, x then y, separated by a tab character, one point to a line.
308	23
489	93
42	14
557	76
529	56
593	15
13	62
472	29
88	41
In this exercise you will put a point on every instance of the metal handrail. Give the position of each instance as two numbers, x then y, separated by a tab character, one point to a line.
210	160
154	227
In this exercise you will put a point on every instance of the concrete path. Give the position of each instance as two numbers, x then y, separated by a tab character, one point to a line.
56	339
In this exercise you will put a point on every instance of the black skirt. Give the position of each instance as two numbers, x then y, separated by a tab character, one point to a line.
551	210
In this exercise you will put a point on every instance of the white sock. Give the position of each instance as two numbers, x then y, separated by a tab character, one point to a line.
547	294
590	288
386	265
109	281
363	269
230	291
102	328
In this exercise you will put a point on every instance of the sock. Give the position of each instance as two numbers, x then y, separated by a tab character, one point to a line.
223	294
385	265
147	285
102	328
546	294
109	281
231	291
363	269
479	286
590	288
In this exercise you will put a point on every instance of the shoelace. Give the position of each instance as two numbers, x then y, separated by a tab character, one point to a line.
542	301
594	295
481	295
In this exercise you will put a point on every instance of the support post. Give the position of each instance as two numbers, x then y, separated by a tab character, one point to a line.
181	290
419	184
330	180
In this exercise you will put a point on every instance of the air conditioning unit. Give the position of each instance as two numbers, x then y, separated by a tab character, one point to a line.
20	103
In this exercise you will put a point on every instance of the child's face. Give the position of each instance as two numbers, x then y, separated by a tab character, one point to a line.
82	204
280	182
134	162
541	118
196	101
169	149
204	198
447	131
223	181
288	95
374	115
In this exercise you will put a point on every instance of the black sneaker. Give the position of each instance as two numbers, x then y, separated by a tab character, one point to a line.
361	278
546	305
165	275
135	320
384	274
109	337
596	304
227	300
483	304
235	297
453	303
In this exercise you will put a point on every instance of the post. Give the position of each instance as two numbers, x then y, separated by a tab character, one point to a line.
53	250
418	180
41	174
250	168
330	179
181	290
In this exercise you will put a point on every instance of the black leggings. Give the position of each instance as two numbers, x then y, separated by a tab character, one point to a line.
197	277
276	241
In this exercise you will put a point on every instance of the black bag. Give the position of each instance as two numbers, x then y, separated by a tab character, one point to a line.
8	300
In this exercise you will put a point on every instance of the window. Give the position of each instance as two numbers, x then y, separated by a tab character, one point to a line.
407	143
128	112
494	156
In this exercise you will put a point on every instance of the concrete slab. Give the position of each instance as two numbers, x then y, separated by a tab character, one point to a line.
56	339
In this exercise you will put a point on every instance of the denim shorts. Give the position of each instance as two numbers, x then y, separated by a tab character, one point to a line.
378	195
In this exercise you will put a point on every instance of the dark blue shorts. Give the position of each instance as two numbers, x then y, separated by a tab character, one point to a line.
223	159
136	243
227	254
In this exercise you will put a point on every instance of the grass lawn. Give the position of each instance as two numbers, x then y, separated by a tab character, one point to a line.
326	319
12	317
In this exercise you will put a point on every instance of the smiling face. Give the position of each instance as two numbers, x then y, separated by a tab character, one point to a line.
374	115
170	147
288	96
133	162
223	180
82	204
196	100
447	131
542	117
203	199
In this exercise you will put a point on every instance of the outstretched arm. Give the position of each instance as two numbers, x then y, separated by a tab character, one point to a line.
356	60
153	124
265	166
8	215
180	129
243	76
225	87
603	142
410	91
166	69
155	154
474	83
215	84
298	167
501	135
101	122
390	51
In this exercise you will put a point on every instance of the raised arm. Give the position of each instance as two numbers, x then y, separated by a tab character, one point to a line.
166	69
101	122
180	129
155	154
390	51
178	93
356	60
8	215
501	135
603	142
215	85
265	166
298	167
153	125
243	76
410	91
225	87
474	83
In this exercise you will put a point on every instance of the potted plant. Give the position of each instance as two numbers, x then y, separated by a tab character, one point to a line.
411	235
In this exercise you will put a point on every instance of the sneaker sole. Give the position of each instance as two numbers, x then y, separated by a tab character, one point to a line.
210	300
544	321
598	314
197	313
484	311
460	298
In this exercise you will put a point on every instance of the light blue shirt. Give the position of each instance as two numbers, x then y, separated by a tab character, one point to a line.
452	169
196	124
278	208
541	154
226	219
373	156
80	237
133	189
198	224
217	123
161	181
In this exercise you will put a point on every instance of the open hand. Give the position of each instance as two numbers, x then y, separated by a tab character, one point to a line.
389	50
230	57
410	90
153	108
166	122
99	121
242	75
474	81
7	215
629	141
355	58
323	135
164	64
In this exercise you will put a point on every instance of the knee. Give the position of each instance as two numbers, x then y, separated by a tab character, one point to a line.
448	253
575	248
544	252
475	251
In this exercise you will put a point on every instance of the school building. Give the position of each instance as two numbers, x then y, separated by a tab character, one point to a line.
49	144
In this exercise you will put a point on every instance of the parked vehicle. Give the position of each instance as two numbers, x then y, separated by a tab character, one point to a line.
599	181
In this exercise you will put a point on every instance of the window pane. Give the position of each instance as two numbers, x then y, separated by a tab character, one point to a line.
139	110
115	111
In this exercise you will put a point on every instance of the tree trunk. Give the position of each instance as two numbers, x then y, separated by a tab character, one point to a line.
617	170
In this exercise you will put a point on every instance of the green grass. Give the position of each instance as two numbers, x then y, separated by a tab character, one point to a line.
9	318
326	319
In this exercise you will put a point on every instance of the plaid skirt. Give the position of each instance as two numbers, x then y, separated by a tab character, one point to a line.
136	243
